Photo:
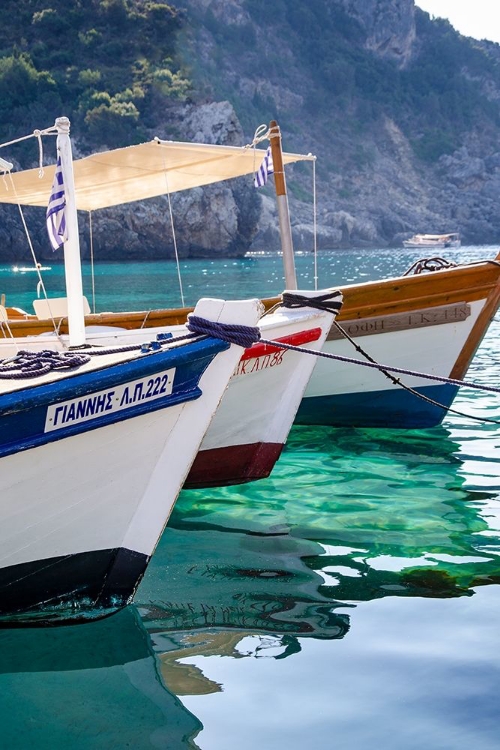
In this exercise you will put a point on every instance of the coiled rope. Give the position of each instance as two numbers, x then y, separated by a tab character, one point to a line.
430	265
29	364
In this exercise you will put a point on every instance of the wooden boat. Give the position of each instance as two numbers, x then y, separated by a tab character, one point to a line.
95	445
439	241
424	322
429	323
247	435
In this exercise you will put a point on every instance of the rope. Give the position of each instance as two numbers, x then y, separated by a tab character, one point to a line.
172	226
242	335
37	265
27	364
91	234
398	382
414	373
331	301
315	230
295	300
377	366
429	264
36	134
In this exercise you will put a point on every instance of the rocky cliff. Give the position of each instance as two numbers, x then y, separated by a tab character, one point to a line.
402	112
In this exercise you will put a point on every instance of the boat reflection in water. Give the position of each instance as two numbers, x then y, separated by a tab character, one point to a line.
250	571
91	685
254	571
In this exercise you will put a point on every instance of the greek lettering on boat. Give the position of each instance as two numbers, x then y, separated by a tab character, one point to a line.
112	400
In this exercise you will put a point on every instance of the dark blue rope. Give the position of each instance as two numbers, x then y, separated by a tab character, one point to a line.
244	336
377	366
27	364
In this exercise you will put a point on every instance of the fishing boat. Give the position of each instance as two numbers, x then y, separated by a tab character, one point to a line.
429	321
252	423
96	443
439	241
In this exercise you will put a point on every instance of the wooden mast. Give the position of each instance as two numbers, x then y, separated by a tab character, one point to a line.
282	203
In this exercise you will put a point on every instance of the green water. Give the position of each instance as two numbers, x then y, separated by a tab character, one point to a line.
348	602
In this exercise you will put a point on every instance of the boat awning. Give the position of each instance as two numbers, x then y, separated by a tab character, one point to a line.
139	172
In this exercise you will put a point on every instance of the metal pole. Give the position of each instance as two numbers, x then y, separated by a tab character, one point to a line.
72	261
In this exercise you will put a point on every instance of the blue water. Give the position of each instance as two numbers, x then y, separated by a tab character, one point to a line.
351	601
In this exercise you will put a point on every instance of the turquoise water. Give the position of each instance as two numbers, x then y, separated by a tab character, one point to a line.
350	601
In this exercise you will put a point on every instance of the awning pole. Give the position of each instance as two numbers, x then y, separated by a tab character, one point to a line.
72	261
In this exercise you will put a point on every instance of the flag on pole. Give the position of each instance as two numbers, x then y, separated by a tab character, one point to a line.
56	210
265	169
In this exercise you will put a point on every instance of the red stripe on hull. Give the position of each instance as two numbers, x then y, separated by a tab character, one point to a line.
234	464
294	339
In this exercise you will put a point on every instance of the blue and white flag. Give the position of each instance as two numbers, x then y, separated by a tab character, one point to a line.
56	210
265	169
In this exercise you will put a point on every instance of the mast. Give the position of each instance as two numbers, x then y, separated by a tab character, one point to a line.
72	261
282	203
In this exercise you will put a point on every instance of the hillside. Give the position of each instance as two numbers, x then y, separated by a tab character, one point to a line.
402	112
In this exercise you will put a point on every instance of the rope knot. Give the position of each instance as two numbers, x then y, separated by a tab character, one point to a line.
243	336
330	301
430	265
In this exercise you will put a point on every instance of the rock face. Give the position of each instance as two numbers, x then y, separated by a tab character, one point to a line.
372	188
216	220
389	26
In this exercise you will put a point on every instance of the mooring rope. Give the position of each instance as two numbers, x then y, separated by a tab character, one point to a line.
295	300
234	334
430	265
398	381
30	364
401	370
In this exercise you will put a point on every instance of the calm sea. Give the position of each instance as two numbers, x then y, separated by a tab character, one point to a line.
351	601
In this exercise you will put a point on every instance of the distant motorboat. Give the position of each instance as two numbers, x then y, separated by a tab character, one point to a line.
433	240
26	269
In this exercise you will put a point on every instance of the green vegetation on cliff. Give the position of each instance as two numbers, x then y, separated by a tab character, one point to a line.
107	65
113	65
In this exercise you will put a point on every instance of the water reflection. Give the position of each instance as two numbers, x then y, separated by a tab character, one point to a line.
88	686
348	516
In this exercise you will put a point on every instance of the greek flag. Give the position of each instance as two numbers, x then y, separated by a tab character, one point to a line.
265	169
56	210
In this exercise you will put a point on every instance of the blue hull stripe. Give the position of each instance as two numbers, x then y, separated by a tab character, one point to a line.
389	408
23	413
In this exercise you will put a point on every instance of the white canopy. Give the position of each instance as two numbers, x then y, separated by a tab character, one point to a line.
138	172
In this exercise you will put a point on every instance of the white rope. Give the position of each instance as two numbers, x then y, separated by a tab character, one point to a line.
262	133
36	134
315	233
92	260
174	238
37	265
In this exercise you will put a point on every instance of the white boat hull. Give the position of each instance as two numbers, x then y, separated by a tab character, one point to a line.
85	495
